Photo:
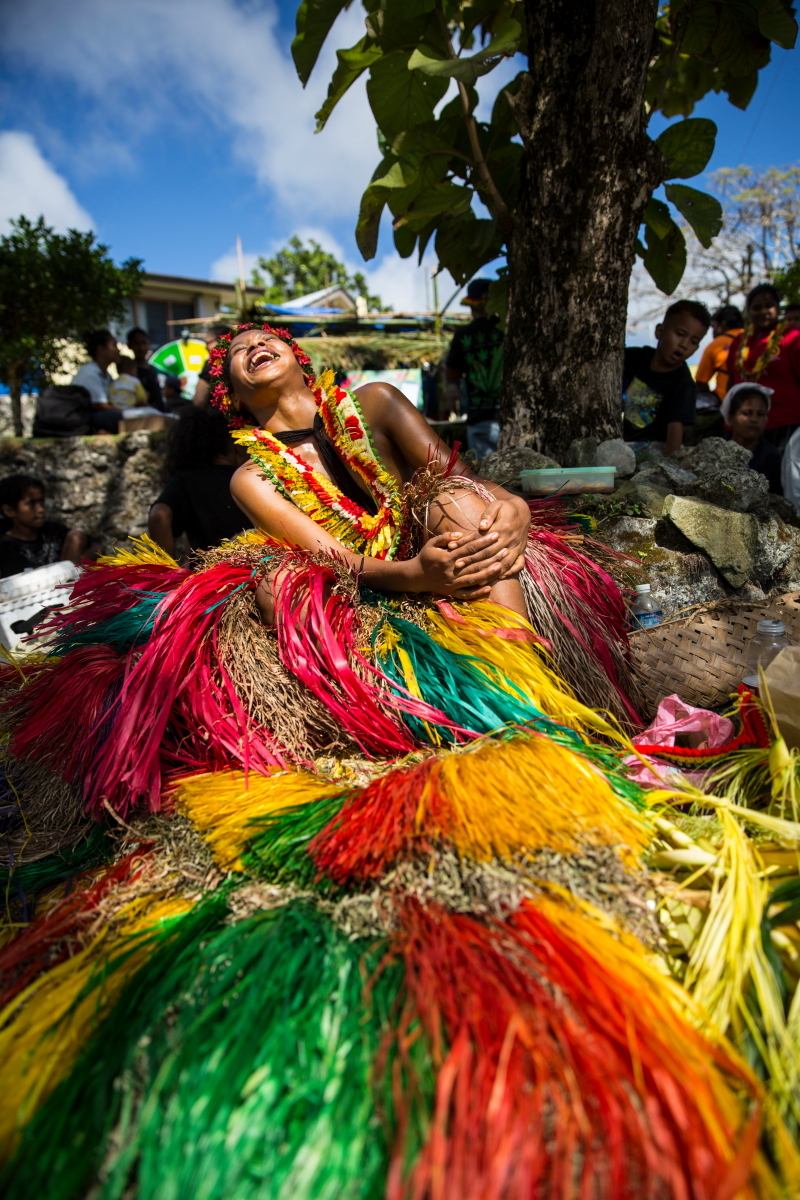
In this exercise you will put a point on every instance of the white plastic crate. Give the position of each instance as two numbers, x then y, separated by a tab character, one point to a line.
27	598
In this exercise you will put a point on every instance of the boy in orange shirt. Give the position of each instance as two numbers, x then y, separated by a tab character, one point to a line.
725	325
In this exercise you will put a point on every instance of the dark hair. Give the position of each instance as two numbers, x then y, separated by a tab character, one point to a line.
95	341
729	316
195	440
126	362
137	329
218	329
173	382
693	307
769	288
14	487
792	304
740	397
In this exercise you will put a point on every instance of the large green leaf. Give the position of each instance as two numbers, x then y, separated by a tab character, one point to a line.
400	98
432	202
687	146
703	212
352	63
740	88
665	258
776	22
405	239
702	20
369	220
657	217
464	244
314	21
737	47
504	42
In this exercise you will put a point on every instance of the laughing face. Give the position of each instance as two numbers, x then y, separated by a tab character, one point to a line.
259	362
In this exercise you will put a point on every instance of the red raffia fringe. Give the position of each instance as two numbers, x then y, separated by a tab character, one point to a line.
558	1077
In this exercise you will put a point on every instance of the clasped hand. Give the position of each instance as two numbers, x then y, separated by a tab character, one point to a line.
465	565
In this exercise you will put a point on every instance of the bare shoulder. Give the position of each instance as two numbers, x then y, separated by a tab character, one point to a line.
249	478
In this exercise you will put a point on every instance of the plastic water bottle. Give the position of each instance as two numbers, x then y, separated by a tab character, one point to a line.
645	610
770	637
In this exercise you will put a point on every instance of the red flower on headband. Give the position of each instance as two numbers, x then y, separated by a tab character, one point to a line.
221	397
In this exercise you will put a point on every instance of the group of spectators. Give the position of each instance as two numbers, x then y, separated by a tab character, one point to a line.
754	363
137	384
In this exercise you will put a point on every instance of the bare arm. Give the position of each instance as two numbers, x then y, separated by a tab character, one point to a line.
159	526
404	436
202	392
439	567
674	437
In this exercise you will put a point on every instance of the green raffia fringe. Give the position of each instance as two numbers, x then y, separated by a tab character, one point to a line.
238	1063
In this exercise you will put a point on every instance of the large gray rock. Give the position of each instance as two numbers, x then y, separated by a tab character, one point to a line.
504	466
730	539
737	488
103	485
650	496
777	543
667	474
712	456
678	577
617	454
582	453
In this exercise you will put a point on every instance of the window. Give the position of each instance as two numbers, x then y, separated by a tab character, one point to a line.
155	321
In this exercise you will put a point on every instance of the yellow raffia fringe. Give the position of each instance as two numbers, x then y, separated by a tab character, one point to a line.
222	806
44	1028
525	794
658	1002
728	963
515	666
145	553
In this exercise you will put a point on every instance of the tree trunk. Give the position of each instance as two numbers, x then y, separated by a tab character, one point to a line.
587	172
15	392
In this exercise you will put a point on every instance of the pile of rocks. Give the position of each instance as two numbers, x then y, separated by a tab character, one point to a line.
701	524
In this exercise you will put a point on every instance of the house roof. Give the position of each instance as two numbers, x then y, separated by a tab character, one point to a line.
317	300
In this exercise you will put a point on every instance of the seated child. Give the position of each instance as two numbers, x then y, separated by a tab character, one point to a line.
658	390
28	540
126	391
746	409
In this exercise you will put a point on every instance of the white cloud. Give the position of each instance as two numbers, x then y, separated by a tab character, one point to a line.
30	187
225	269
180	60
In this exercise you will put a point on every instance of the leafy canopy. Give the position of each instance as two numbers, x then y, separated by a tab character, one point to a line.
53	289
438	158
298	269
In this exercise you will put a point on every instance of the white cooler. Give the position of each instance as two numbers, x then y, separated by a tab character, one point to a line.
26	599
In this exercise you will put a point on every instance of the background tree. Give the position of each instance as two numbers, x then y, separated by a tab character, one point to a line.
561	177
758	240
298	269
53	289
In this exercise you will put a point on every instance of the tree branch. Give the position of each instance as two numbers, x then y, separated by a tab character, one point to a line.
501	208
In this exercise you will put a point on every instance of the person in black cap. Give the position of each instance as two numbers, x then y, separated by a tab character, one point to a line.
476	356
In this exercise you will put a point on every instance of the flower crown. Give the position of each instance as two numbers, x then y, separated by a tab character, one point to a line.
221	396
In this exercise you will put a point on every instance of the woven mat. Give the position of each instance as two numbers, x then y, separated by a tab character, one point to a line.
700	656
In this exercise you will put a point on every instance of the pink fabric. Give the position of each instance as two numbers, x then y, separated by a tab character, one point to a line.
675	716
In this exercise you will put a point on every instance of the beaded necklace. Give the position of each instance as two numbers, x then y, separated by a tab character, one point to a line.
770	351
381	535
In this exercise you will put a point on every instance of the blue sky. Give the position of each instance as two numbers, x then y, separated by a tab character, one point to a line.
171	126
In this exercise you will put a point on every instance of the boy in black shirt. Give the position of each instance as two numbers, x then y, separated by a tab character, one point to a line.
658	390
28	540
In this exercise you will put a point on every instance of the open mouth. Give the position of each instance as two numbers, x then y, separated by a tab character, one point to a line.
260	357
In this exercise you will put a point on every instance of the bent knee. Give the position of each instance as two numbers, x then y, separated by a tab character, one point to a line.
459	509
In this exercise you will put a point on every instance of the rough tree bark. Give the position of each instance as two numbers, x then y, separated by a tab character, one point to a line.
587	171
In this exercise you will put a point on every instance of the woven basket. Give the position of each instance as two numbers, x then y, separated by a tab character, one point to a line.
700	656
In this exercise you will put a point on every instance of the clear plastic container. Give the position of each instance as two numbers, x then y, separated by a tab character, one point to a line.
770	637
567	481
646	609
